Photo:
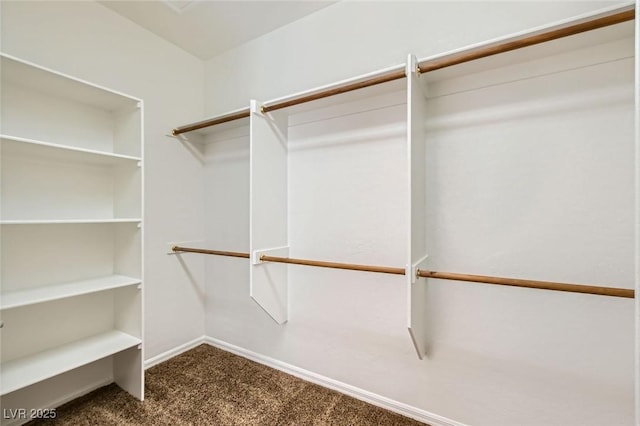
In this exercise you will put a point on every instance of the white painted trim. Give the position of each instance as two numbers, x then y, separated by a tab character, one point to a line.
174	352
361	394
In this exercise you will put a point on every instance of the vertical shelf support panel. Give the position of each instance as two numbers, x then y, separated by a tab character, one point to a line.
128	372
128	365
417	245
268	210
637	206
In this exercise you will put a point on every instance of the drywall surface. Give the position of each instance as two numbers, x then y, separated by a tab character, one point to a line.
88	41
529	177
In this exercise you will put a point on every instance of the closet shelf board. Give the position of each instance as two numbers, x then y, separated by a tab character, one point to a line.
18	146
27	74
30	296
69	221
26	371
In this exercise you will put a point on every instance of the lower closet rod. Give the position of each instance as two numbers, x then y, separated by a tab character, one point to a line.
336	265
542	285
482	279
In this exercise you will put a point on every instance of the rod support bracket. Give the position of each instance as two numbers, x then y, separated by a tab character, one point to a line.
171	246
256	257
414	273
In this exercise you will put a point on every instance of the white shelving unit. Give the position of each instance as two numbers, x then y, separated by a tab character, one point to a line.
71	220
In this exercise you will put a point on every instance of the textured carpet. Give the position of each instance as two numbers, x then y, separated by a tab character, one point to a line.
208	386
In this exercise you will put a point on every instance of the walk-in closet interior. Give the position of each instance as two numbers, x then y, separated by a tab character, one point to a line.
429	207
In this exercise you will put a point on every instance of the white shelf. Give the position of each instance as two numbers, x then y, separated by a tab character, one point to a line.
68	221
15	145
45	106
26	371
43	181
48	293
18	71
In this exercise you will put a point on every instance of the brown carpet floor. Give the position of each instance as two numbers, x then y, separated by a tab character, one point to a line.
208	386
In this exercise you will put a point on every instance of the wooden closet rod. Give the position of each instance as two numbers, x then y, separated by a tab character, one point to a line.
336	90
612	18
481	279
542	285
215	252
603	20
615	17
211	122
335	265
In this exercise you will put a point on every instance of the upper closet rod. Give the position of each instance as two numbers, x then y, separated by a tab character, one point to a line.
236	115
564	30
336	90
612	17
482	279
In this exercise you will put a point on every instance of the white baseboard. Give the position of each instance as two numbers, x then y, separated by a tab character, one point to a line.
361	394
173	352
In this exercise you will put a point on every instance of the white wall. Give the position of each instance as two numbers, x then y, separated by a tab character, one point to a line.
89	41
507	204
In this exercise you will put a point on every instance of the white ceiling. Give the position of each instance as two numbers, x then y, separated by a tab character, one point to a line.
207	28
